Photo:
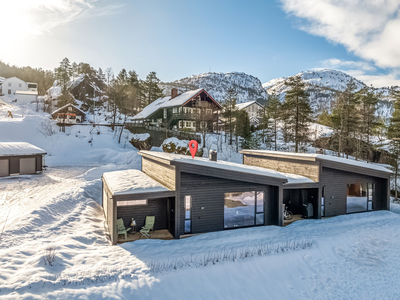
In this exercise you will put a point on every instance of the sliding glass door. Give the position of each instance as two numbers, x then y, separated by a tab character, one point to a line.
244	209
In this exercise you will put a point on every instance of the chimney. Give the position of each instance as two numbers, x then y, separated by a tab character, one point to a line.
212	155
174	93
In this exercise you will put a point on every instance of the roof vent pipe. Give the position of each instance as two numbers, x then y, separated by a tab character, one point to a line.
212	155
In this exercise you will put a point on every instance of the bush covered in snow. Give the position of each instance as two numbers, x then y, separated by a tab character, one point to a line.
174	145
142	141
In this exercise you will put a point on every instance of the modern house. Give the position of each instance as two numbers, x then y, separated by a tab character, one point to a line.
69	114
20	158
23	92
253	109
339	186
190	196
191	110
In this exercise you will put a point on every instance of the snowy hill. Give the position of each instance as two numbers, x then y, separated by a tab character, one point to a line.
322	86
216	84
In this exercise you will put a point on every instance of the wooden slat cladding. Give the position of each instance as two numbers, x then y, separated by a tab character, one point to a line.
309	169
163	173
208	201
109	212
154	207
335	183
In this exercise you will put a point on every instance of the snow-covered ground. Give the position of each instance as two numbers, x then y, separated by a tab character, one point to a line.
346	257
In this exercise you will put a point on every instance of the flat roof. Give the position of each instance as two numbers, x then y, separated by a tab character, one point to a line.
230	166
19	148
26	92
128	182
315	156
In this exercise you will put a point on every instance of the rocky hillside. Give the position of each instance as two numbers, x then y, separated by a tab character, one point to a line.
248	87
322	86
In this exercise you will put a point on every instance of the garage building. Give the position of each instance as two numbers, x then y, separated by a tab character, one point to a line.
20	158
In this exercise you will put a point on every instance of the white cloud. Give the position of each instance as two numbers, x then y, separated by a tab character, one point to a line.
335	63
363	71
370	29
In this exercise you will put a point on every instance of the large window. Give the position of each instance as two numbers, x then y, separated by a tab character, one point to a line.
323	202
243	209
359	197
188	214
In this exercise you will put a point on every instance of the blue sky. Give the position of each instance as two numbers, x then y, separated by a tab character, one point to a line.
178	38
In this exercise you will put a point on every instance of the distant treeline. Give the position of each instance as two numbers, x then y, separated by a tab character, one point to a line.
44	78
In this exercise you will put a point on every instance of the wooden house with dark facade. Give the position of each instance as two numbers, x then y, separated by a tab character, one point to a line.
69	114
190	110
340	186
191	196
18	158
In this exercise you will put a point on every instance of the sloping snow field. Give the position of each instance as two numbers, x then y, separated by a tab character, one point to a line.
347	257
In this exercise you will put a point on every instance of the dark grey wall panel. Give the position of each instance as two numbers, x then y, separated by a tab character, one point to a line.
14	162
154	207
208	193
336	181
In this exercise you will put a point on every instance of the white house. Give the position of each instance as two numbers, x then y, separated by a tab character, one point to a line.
23	92
253	109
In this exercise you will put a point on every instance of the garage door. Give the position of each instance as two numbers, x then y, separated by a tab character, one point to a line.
27	165
4	167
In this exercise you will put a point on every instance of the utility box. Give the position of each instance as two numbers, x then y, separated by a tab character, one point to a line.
212	155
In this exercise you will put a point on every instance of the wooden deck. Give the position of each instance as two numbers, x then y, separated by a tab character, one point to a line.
295	218
157	235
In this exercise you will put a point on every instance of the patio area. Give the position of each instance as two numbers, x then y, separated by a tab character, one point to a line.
163	234
294	219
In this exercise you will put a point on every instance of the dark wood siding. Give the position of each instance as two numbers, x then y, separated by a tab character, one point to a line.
335	183
208	201
154	207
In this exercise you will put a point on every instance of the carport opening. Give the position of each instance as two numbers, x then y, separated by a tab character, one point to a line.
303	203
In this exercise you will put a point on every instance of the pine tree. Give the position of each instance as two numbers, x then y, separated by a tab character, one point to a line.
242	129
298	111
228	112
394	135
151	89
346	119
273	116
63	74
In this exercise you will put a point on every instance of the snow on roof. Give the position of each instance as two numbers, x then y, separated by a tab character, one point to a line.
224	165
165	102
26	92
151	108
181	99
321	157
19	148
129	182
246	104
69	104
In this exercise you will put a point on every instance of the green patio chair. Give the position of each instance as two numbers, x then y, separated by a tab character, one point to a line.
121	228
147	229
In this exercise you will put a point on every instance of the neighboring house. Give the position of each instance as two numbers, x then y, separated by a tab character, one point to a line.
253	109
23	92
192	196
83	88
20	158
341	185
191	110
69	114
